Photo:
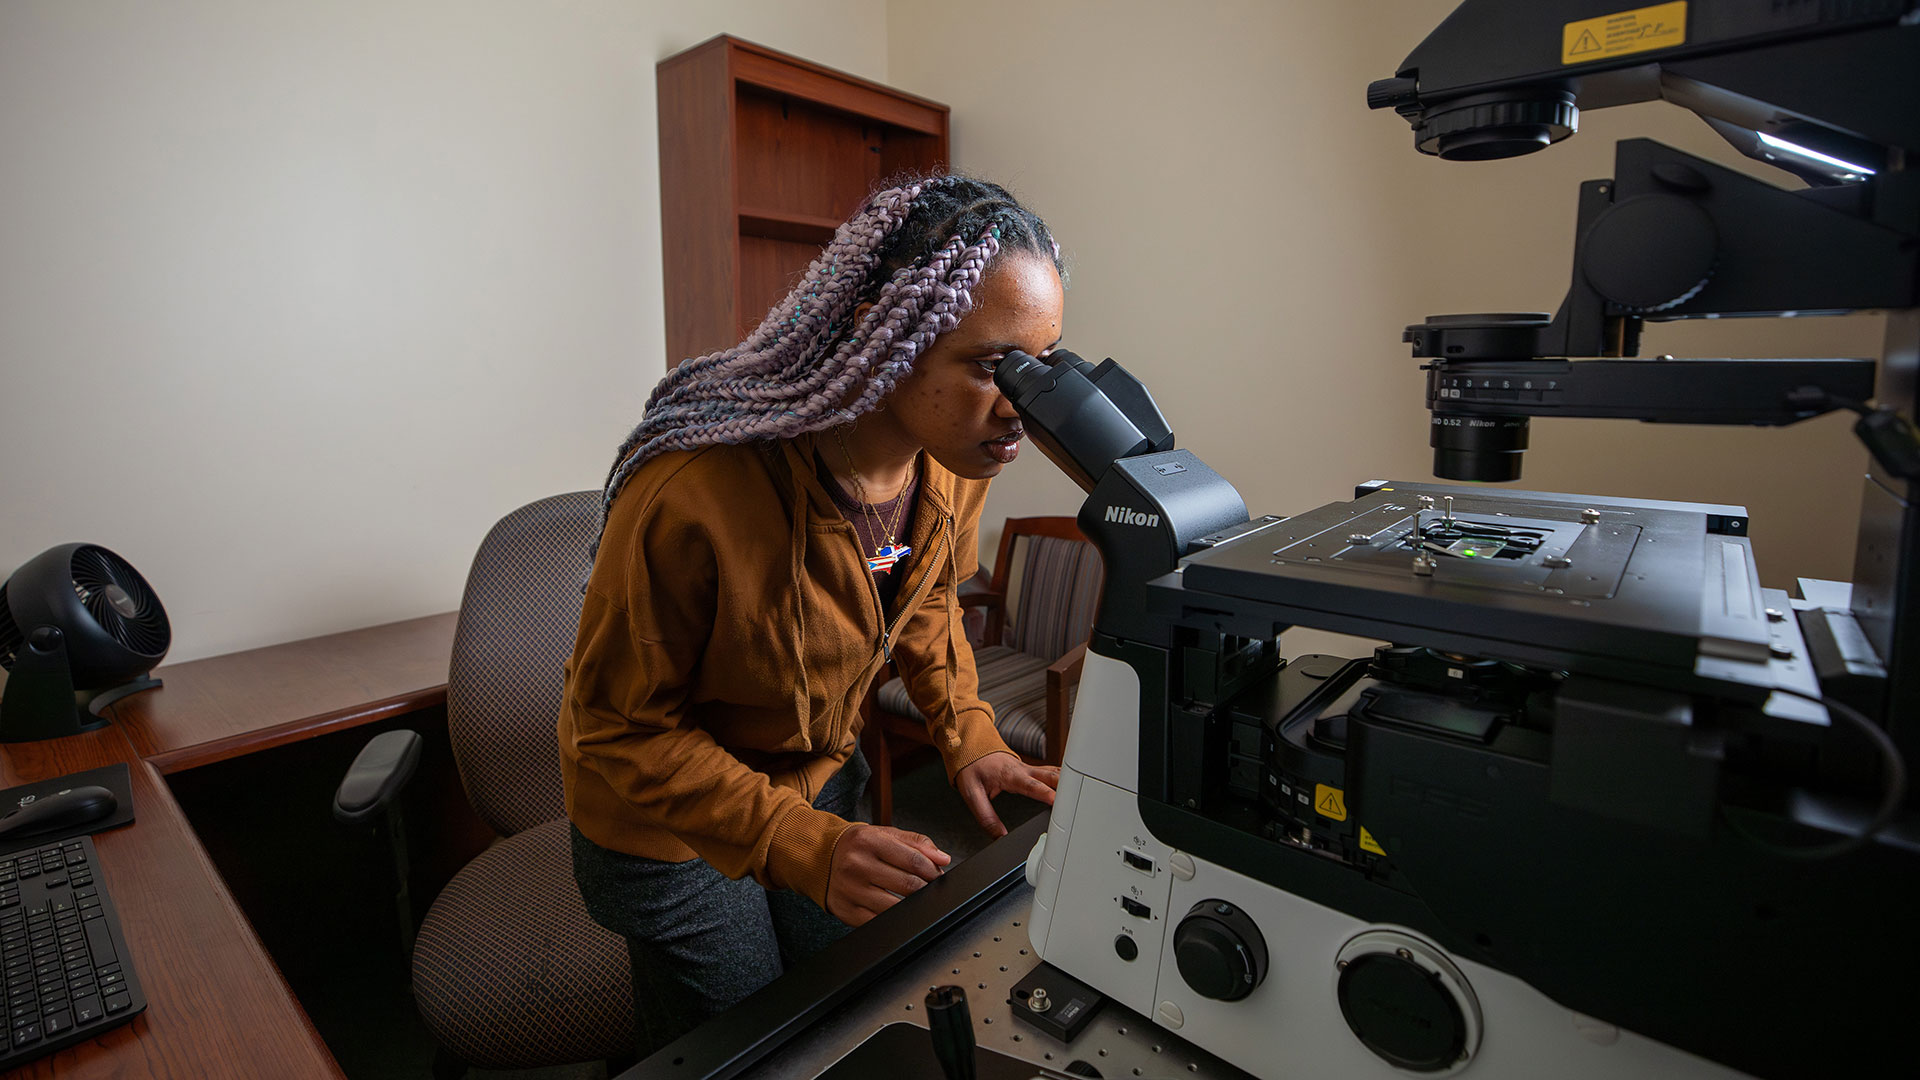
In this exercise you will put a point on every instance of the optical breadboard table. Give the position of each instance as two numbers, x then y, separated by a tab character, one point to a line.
967	930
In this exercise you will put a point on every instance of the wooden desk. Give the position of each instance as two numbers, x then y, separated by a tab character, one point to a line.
225	706
217	1006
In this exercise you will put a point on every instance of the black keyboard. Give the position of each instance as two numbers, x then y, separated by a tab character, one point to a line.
68	975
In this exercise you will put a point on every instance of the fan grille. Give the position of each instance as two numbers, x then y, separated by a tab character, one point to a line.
10	636
120	600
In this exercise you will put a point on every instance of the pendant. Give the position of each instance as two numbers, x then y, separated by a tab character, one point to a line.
886	556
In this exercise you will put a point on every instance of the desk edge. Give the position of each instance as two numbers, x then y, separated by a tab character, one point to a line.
233	746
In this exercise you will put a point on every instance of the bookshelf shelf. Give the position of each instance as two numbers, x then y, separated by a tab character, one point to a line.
762	156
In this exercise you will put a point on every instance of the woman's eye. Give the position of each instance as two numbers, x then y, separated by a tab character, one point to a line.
990	363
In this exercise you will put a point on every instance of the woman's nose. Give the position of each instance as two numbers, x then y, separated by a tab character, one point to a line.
1003	408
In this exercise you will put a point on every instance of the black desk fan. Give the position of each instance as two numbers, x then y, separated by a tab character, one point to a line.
75	618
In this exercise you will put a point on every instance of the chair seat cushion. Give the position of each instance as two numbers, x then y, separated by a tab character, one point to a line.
1014	683
509	972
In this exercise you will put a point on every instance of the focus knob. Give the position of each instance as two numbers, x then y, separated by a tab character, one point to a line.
1407	1002
1220	951
1650	253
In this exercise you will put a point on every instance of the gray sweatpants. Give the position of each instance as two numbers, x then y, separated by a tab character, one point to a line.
699	941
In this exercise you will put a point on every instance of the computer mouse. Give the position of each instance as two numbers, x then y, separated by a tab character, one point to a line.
61	810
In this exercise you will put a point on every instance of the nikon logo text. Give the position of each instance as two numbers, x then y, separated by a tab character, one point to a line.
1126	516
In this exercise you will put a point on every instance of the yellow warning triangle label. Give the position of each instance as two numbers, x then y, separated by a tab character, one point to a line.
1659	26
1330	801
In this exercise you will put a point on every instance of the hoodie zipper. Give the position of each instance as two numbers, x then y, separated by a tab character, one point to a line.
914	598
918	593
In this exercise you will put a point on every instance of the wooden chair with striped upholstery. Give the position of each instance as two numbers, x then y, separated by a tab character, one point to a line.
1039	605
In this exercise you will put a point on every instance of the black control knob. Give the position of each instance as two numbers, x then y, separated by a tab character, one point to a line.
1393	93
1403	1012
1651	252
1220	951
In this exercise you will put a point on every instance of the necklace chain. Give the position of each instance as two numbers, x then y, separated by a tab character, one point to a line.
890	528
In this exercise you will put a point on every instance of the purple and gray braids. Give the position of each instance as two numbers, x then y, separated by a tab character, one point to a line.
916	252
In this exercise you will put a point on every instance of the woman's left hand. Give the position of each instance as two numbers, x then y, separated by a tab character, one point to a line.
979	782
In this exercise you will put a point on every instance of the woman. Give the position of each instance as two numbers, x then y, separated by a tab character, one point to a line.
789	515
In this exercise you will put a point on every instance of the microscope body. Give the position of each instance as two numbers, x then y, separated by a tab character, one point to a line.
1602	804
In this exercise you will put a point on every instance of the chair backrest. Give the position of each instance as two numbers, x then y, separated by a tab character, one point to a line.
518	619
1059	579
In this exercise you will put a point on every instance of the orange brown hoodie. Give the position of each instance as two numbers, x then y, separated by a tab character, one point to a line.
729	634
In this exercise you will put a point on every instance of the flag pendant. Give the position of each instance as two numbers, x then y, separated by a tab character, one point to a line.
886	556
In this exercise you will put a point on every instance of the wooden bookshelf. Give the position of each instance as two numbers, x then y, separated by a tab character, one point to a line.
762	156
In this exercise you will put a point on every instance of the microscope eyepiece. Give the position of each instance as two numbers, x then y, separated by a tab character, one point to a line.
1019	375
1083	417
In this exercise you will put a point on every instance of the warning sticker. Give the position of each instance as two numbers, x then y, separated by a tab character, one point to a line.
1661	26
1368	843
1330	801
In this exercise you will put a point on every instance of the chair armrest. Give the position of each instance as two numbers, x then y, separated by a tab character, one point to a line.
1062	675
992	603
377	776
974	594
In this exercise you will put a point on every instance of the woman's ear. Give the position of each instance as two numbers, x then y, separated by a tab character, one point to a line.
860	311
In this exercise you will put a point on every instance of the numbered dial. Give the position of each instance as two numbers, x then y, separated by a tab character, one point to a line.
1220	951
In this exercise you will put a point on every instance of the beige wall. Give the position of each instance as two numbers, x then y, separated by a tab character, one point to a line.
1229	225
1250	240
297	299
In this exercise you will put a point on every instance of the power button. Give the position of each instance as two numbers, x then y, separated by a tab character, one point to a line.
1126	947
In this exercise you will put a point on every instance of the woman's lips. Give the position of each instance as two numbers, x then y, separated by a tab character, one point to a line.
1004	450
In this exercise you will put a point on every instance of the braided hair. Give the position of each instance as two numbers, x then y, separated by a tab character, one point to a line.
915	252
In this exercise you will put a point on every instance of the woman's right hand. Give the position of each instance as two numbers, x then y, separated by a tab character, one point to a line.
874	866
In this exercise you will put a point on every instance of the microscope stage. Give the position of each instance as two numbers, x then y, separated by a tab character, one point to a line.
1605	585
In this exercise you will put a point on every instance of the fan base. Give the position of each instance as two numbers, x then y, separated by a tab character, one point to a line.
39	702
132	686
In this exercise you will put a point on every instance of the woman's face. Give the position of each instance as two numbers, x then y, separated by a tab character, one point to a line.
948	404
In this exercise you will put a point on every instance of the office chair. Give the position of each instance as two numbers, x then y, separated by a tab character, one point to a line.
1049	576
509	972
